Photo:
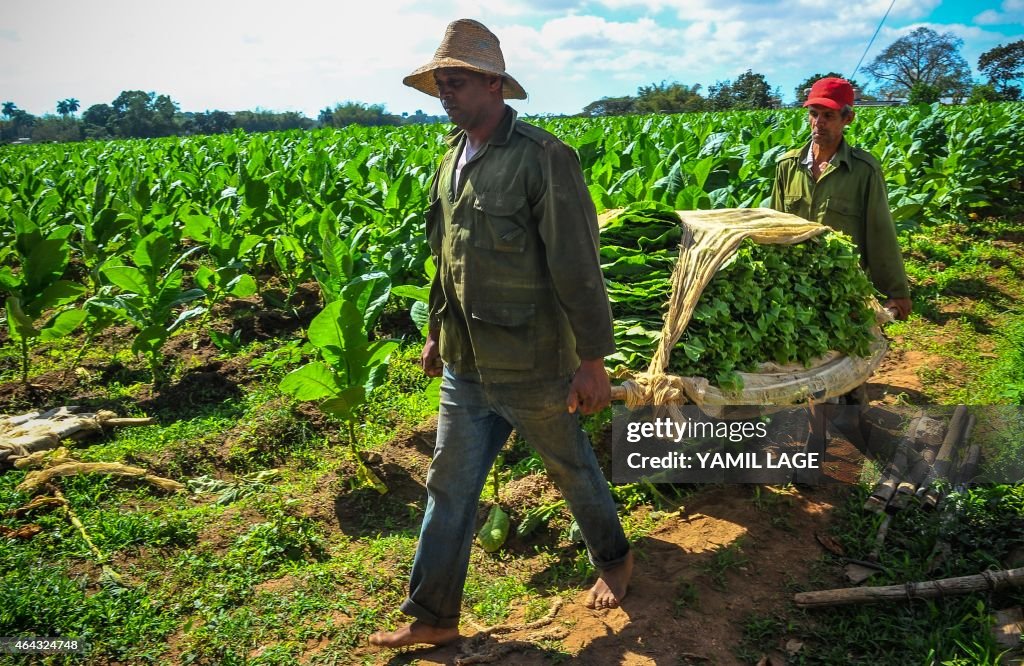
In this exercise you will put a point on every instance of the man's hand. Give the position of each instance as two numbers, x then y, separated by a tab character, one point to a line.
430	358
902	307
590	390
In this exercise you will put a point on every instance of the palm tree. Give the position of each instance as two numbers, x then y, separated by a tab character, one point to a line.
9	109
66	106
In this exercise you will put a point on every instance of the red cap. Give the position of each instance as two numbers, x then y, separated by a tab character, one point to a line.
831	92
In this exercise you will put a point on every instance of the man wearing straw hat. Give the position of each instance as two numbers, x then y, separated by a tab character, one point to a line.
831	182
519	327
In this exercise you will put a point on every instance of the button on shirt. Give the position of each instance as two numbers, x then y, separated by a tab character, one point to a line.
850	196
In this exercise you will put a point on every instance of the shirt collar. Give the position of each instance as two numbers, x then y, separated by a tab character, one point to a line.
842	155
502	133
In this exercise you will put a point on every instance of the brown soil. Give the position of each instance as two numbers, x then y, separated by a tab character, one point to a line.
776	535
897	380
654	624
219	535
401	465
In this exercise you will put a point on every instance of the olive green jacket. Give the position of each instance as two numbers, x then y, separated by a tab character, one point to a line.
850	197
518	294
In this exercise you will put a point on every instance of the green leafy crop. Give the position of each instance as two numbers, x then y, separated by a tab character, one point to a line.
779	303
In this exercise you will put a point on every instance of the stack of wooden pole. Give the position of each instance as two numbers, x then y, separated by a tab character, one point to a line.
926	462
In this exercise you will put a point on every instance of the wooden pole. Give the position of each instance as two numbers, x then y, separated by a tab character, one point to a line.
969	467
129	421
954	435
944	462
883	530
886	488
895	470
989	580
930	438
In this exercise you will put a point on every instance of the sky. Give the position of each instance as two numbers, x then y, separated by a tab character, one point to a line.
306	56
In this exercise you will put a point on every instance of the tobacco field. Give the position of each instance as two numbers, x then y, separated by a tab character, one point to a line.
262	298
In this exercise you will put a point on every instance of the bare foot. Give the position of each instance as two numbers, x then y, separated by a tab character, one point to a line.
611	586
414	634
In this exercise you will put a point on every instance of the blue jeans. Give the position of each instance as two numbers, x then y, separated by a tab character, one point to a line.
474	423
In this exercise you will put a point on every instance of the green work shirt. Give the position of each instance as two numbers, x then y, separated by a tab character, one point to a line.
518	294
850	197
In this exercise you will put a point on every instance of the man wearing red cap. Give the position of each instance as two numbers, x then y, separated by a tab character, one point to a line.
831	182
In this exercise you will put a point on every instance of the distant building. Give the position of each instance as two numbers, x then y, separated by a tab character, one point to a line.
881	102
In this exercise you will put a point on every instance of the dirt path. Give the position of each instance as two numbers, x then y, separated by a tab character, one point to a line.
731	558
684	605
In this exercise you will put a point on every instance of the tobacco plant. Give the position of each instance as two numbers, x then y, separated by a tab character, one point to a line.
38	298
150	295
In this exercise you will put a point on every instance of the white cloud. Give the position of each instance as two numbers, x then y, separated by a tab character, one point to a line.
796	10
1012	12
231	55
610	58
212	54
972	35
589	43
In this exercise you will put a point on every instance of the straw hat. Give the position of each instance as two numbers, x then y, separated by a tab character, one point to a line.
470	45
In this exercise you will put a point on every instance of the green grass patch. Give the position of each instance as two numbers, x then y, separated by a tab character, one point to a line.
725	559
975	531
966	284
491	599
403	400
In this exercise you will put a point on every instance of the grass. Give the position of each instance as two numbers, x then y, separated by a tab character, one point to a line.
980	527
491	599
687	597
724	560
966	284
205	596
759	633
775	502
255	580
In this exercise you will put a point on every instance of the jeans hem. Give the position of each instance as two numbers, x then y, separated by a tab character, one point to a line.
413	609
609	564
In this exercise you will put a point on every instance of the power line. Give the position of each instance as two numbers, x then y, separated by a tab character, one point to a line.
868	48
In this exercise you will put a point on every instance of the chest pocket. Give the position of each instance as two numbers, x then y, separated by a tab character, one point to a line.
843	215
500	221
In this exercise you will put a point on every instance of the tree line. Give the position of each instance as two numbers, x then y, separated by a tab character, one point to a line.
137	114
922	66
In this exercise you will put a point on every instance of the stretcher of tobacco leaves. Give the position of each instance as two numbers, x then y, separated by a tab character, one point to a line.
710	238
